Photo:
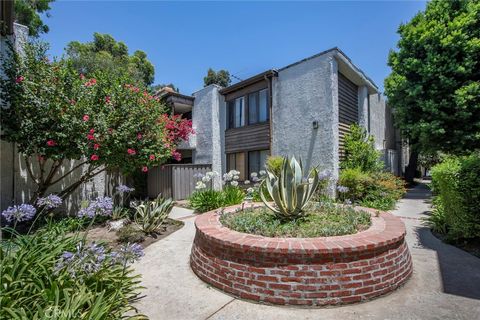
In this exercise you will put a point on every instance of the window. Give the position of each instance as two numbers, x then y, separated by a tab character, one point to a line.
236	113
256	160
258	110
257	107
236	161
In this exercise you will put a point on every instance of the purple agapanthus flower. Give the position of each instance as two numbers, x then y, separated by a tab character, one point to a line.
102	206
23	212
324	175
85	261
127	253
124	189
342	189
51	201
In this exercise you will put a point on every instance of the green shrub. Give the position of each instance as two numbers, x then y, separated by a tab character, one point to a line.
206	200
360	151
150	215
456	186
130	234
232	195
357	183
33	287
321	220
379	190
274	164
437	221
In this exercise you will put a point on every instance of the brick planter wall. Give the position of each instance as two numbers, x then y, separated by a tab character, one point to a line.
302	271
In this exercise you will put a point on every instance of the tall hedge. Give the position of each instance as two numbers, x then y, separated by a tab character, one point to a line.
456	185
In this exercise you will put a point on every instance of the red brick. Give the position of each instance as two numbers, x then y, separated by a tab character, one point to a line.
366	265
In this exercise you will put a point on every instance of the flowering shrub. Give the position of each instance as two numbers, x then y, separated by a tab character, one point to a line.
54	275
53	114
50	202
23	212
101	206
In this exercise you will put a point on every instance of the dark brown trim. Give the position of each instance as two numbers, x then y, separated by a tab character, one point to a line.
246	138
249	81
253	87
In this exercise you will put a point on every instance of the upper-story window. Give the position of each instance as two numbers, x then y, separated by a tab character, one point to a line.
249	109
236	113
257	107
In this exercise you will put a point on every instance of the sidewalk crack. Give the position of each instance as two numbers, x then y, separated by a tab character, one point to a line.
226	304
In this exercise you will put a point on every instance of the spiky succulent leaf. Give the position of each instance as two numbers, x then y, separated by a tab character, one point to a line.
289	191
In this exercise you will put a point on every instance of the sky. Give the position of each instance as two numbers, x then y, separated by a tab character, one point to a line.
184	39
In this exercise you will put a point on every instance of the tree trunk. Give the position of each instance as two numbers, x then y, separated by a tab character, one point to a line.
412	166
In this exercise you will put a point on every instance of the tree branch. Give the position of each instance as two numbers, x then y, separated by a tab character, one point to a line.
29	170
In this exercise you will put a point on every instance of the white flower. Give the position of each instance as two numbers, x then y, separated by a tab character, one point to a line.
247	182
206	178
310	180
234	183
253	174
227	177
236	177
212	174
262	172
250	190
200	185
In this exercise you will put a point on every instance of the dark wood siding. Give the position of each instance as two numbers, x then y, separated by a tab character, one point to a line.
252	137
347	108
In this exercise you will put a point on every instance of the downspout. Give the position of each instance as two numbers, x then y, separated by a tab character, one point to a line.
268	79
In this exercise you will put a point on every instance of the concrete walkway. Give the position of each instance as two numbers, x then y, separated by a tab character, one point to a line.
445	283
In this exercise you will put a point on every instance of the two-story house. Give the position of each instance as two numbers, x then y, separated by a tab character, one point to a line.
303	109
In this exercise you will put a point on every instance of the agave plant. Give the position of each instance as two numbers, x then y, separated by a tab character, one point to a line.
150	215
290	189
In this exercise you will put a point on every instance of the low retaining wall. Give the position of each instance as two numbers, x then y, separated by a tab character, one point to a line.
302	271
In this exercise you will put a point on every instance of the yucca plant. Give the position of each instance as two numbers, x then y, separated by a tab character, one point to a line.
150	215
290	189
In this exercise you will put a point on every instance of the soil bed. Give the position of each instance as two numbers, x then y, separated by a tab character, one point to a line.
101	234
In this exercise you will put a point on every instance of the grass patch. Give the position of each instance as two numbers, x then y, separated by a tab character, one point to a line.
320	220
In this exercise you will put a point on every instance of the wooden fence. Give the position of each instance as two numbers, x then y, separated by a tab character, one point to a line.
175	181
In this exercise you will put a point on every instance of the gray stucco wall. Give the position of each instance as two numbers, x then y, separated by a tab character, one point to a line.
304	93
383	130
377	120
208	120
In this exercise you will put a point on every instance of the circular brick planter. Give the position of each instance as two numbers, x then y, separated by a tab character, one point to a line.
302	271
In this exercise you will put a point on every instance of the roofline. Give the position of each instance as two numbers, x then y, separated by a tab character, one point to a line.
309	58
339	53
356	69
249	81
169	93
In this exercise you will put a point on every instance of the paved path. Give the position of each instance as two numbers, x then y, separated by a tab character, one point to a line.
445	283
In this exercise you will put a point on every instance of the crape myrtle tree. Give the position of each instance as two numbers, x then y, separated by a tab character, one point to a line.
54	115
434	87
